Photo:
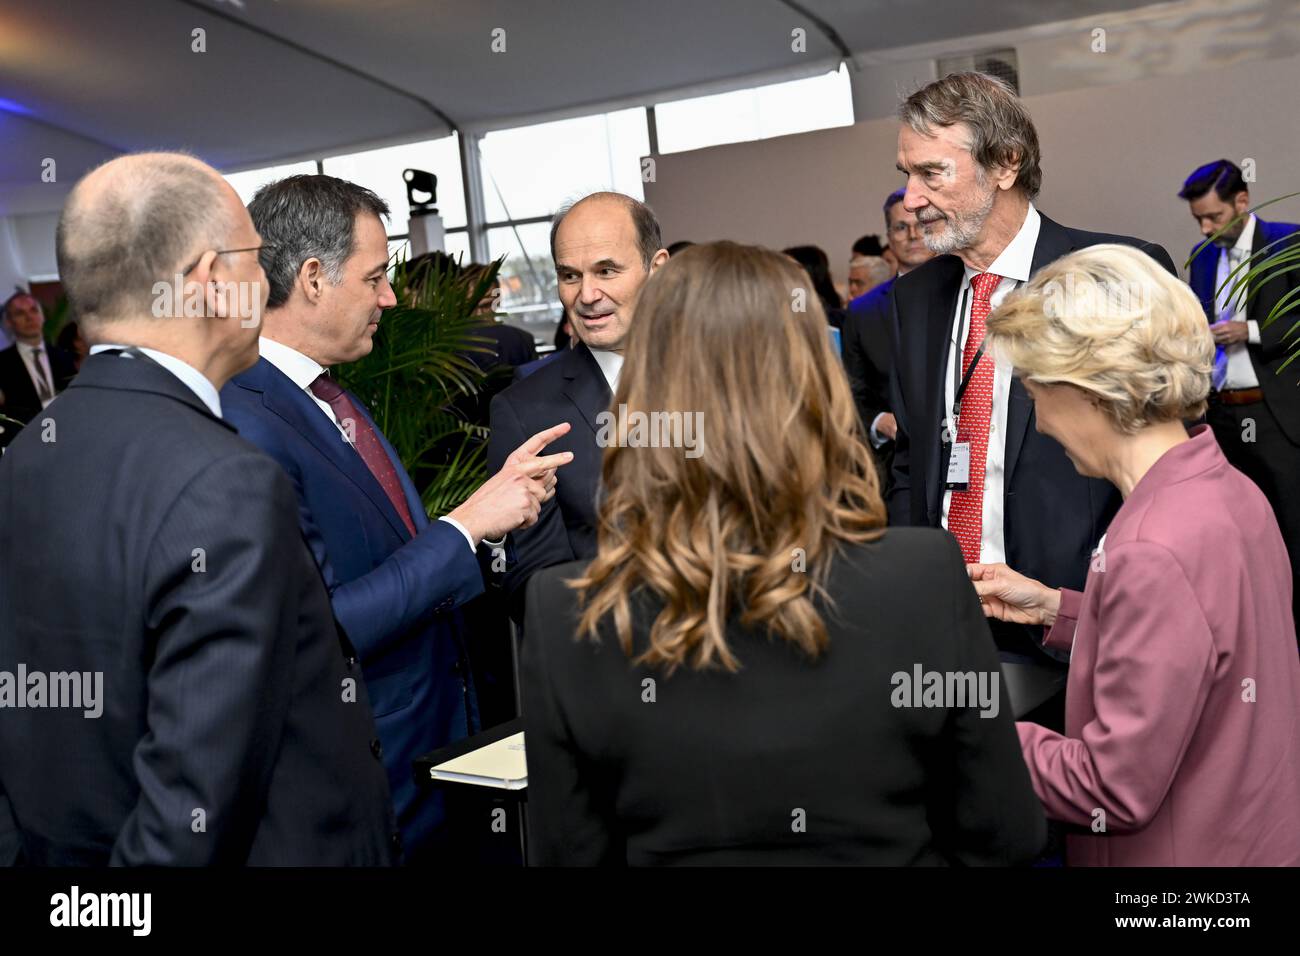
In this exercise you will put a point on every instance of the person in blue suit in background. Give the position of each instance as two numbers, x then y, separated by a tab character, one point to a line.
394	578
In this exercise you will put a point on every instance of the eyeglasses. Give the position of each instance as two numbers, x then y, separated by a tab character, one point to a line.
904	229
226	252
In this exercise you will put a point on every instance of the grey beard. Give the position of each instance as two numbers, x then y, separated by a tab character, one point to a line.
961	231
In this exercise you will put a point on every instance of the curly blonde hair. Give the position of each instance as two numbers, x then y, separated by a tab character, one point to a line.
734	335
1110	320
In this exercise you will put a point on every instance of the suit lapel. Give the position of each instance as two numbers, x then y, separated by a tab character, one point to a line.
283	398
1202	273
585	384
413	503
940	319
1053	242
1255	307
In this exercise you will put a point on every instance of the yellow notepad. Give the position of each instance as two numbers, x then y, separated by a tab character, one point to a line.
501	765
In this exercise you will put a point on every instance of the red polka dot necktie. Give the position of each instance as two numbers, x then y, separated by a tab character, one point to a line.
966	508
366	442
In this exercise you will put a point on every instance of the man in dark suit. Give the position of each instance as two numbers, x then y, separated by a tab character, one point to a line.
968	457
207	715
394	577
1255	405
605	246
869	338
32	371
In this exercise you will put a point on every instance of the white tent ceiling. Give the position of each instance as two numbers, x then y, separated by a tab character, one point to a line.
284	79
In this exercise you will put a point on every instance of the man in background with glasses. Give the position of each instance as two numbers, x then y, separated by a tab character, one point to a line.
868	339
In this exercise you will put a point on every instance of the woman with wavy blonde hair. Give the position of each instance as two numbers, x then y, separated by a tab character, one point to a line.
731	679
1169	756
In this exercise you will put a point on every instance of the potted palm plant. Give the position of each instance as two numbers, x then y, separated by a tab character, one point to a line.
419	368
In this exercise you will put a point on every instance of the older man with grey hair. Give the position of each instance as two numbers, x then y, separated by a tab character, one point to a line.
972	461
186	609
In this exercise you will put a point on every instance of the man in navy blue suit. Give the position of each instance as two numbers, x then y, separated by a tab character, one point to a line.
1255	405
394	578
868	338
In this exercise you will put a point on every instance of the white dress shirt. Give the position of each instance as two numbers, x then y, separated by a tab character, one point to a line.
1013	264
190	377
34	358
302	370
1241	373
611	365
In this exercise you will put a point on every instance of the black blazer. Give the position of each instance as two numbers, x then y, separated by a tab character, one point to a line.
570	388
18	397
149	542
1052	516
868	344
721	768
868	336
1280	392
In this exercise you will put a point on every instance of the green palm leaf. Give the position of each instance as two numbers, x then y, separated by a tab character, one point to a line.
419	366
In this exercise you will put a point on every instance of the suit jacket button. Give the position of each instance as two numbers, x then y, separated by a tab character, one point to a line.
352	663
397	843
377	749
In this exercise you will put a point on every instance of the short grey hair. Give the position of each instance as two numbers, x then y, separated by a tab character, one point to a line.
146	213
1002	133
877	268
649	239
308	217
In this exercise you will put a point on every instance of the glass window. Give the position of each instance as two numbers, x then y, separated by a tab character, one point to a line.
250	181
778	109
456	246
529	297
532	170
381	170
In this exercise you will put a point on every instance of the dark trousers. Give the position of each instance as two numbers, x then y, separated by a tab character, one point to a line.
1271	461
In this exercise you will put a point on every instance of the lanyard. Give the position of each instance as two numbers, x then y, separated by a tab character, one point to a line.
961	383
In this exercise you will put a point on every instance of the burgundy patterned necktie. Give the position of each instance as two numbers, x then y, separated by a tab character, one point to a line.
366	442
966	508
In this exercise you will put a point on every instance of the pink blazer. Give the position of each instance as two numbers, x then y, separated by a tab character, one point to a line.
1182	711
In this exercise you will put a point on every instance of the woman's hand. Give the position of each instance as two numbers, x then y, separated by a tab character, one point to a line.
1010	596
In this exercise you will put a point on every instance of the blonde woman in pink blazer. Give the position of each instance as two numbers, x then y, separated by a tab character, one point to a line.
1182	715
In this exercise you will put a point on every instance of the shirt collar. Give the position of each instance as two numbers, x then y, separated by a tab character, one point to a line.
300	369
190	377
1247	238
1017	259
611	364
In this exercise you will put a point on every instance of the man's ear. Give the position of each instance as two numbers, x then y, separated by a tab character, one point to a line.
311	279
1005	176
659	259
1241	202
197	284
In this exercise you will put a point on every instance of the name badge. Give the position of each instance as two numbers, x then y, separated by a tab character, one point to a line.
958	467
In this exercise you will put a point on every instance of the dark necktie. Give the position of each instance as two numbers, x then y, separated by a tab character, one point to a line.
366	441
44	389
